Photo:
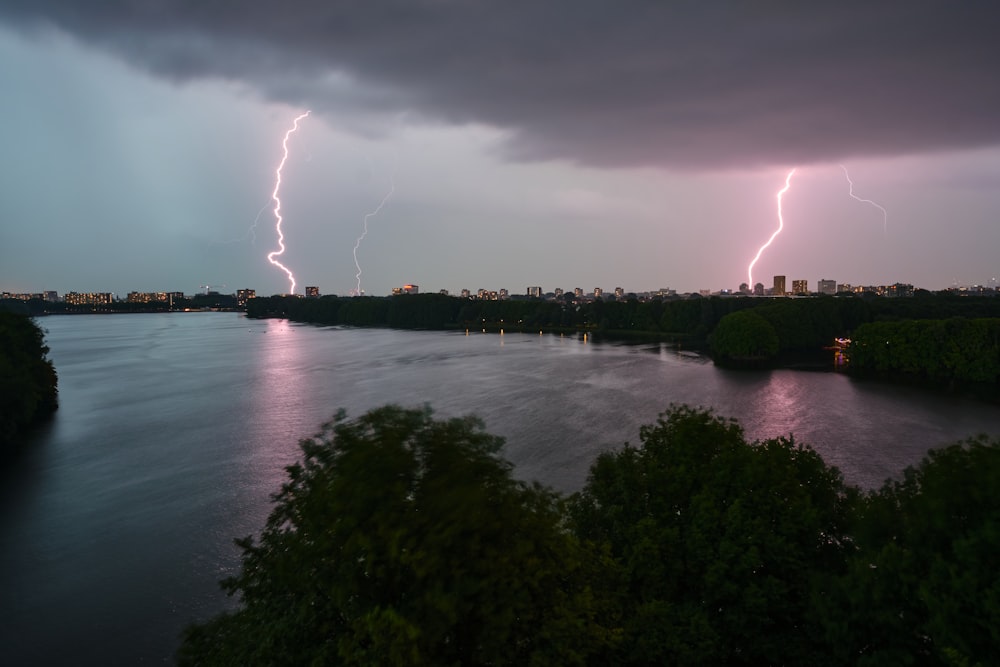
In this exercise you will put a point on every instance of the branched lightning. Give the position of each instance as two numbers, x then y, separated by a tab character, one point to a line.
277	207
364	233
252	231
781	225
885	214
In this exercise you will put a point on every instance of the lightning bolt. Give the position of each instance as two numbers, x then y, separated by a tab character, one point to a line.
252	231
885	214
277	207
781	225
364	233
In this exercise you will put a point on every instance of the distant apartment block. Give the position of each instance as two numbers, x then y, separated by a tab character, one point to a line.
406	289
146	297
312	292
578	292
244	295
22	296
598	292
899	289
619	293
89	298
779	286
535	291
800	287
826	286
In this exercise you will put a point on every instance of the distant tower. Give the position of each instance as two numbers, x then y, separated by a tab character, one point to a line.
312	292
779	286
825	286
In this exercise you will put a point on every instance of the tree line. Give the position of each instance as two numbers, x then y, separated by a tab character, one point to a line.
401	539
28	382
954	344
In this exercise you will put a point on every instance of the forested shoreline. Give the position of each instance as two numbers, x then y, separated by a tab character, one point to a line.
28	381
400	539
943	340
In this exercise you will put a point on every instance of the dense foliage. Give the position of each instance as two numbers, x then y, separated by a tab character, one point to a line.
744	338
938	351
801	324
404	540
401	540
922	586
28	385
717	542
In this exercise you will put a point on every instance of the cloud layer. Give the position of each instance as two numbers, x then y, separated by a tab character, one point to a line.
679	84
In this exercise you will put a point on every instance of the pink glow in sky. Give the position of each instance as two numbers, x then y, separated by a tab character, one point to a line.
585	157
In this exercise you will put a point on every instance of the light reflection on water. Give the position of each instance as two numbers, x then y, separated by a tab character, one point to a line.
174	430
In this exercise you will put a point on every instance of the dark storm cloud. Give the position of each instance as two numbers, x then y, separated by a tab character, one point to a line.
683	84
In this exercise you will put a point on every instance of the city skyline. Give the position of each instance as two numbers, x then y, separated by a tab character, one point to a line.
141	149
824	286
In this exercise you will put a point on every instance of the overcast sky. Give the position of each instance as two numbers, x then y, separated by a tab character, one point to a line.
565	143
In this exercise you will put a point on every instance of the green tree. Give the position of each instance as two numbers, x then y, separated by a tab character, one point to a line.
402	540
717	542
28	382
922	587
744	338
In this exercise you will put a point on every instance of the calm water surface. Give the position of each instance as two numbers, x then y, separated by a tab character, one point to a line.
174	429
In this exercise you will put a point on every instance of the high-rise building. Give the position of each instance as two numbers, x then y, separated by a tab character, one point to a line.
312	292
619	293
535	291
800	287
578	292
466	293
758	289
244	295
826	286
558	292
779	286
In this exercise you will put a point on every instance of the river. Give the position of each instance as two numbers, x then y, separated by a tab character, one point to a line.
173	431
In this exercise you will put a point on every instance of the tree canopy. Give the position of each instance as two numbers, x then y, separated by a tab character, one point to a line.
400	539
922	586
404	540
717	541
28	383
744	338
